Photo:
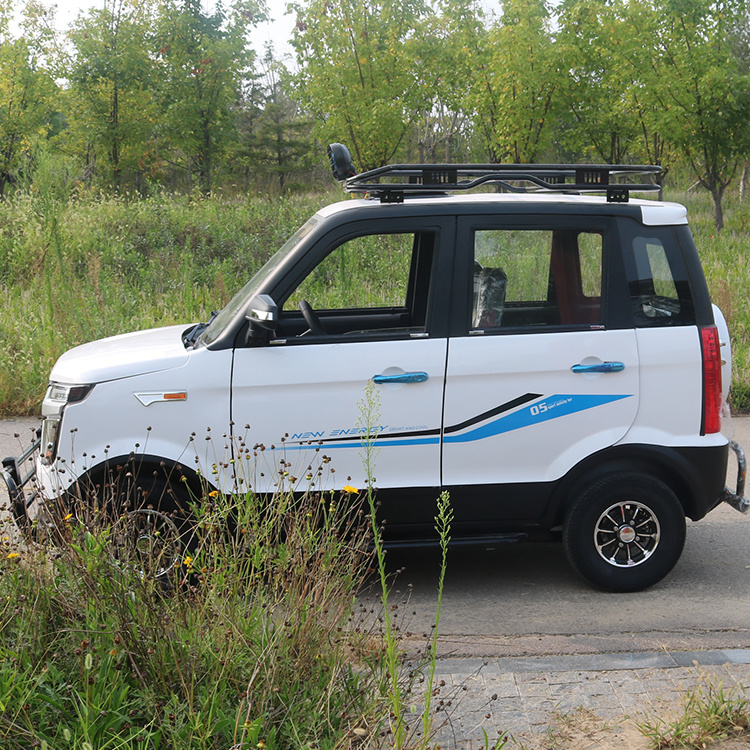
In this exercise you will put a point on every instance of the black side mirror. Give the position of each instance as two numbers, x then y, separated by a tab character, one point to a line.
263	316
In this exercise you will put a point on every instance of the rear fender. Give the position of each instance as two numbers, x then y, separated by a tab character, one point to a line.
695	475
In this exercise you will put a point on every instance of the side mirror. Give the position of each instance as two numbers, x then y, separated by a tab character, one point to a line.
263	315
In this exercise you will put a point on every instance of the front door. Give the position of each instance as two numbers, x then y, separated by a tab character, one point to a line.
361	348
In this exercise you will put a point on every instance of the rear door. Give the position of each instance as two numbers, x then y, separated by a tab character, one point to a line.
540	374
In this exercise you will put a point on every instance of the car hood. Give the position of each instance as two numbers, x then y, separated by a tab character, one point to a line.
123	356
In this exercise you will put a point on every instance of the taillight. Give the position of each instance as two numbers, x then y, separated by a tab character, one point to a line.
711	380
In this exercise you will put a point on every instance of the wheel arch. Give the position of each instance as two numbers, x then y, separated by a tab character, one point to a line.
175	473
695	486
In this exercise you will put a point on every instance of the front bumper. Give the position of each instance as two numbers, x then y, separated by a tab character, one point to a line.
737	498
18	475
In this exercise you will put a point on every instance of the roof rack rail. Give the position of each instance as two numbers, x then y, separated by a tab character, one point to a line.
424	179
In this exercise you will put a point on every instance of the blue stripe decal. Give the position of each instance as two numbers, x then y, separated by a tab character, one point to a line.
551	407
379	443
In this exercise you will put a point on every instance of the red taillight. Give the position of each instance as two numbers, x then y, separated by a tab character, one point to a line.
711	380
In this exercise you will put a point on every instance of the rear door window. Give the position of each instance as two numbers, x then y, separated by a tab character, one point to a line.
536	278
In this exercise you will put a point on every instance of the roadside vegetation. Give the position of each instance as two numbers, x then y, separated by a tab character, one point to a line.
250	637
711	715
251	640
239	621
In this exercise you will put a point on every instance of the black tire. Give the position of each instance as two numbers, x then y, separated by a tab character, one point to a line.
625	532
149	513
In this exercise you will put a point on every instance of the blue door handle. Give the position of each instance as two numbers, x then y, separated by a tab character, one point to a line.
404	377
600	367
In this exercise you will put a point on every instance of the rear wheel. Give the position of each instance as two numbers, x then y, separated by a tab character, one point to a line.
625	532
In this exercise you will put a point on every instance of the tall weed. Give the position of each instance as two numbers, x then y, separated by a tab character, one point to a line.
250	641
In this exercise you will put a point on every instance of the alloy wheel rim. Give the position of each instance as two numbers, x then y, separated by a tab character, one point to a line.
627	534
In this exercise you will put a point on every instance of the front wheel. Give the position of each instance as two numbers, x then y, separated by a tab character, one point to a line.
625	532
148	514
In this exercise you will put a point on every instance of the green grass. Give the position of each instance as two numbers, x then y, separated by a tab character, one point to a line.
710	713
254	640
92	266
77	266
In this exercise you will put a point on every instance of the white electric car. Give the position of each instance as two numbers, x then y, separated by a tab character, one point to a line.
540	344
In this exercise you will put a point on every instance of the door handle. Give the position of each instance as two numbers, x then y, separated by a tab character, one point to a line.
599	367
403	377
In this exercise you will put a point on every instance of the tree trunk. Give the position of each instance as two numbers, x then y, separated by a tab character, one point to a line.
717	193
205	160
115	122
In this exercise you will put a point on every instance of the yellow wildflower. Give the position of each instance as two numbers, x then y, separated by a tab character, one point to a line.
188	562
351	490
12	555
213	493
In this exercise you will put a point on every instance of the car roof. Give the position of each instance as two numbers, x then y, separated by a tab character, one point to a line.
649	212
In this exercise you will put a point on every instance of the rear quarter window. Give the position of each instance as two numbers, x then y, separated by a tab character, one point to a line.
658	282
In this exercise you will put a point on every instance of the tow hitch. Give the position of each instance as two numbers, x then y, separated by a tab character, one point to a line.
16	478
737	499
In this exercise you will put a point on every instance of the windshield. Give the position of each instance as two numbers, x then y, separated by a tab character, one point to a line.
238	302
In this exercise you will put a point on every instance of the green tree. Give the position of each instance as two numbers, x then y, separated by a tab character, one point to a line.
111	83
449	46
696	86
28	92
516	89
274	130
203	60
596	90
362	72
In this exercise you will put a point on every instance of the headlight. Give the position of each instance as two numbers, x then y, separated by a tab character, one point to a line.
58	396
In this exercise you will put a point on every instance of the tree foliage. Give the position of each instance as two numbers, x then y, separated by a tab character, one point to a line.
273	129
517	88
203	59
28	94
597	90
699	91
171	91
361	72
112	81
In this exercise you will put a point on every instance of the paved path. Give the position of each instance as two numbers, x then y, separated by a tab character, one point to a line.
599	696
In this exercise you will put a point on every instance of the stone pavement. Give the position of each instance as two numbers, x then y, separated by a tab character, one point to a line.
525	696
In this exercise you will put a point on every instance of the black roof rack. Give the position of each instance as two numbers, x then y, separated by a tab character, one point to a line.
424	179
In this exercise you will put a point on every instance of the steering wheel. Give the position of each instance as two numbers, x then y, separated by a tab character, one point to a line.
311	318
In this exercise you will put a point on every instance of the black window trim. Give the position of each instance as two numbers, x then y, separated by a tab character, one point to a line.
611	268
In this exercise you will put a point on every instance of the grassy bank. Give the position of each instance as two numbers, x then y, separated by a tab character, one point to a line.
76	266
251	636
80	267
